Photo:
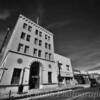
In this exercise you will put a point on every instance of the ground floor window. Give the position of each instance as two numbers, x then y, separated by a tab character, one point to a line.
16	76
49	77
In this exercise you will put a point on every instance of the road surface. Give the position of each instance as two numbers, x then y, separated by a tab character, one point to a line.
80	94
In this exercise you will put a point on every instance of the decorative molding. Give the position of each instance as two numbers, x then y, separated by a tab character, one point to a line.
30	56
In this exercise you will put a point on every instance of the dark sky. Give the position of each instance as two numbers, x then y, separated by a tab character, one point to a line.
75	24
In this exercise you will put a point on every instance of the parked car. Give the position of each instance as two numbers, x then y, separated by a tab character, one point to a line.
93	82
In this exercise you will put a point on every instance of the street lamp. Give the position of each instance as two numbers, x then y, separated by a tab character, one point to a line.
59	74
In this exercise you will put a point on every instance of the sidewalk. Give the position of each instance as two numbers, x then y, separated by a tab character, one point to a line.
36	92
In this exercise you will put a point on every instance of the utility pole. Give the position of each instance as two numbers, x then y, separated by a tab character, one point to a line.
5	38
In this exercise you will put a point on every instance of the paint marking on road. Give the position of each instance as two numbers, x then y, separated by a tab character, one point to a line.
78	96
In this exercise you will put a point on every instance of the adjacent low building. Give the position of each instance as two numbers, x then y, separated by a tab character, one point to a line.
94	74
81	77
65	72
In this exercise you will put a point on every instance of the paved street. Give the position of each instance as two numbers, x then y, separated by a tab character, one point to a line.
69	94
83	94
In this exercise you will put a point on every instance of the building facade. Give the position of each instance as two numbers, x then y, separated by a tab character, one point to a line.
65	72
29	59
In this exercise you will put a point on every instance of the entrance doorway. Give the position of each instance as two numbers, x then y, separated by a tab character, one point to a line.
34	77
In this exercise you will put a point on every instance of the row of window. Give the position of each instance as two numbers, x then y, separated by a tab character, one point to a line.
25	36
36	40
17	73
20	47
28	27
67	66
47	37
37	32
47	46
36	52
39	42
48	55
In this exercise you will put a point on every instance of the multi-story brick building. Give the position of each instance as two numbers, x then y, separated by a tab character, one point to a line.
29	58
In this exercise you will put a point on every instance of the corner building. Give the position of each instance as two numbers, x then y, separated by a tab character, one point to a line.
29	58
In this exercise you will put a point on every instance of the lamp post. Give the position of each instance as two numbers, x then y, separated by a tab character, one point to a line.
59	73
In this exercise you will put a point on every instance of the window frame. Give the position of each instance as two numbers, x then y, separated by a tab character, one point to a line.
46	36
46	45
40	42
26	49
50	77
49	45
25	25
39	53
40	33
35	41
35	52
23	34
68	67
29	28
20	46
36	32
28	37
15	75
46	55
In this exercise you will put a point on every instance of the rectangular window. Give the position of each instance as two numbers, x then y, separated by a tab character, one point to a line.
29	28
39	53
26	50
45	36
35	41
40	34
50	56
22	35
36	32
46	55
35	52
24	25
49	77
46	45
16	76
28	37
49	38
49	46
20	46
67	67
40	42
